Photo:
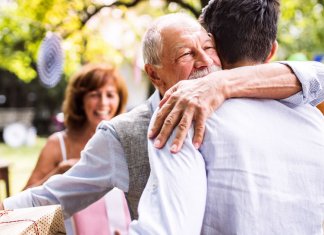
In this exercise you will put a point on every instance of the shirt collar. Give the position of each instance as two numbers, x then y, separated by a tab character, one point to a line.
155	100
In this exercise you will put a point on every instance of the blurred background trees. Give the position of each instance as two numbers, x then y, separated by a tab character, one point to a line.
111	30
301	28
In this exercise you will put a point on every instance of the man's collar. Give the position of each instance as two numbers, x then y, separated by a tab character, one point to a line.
155	100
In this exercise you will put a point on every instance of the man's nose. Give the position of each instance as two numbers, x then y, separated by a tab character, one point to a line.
203	59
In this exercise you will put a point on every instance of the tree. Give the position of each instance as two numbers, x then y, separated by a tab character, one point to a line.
301	27
111	32
24	24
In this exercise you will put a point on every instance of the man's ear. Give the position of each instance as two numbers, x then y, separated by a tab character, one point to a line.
273	51
151	71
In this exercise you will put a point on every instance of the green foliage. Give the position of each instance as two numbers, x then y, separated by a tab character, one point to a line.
301	27
85	26
20	38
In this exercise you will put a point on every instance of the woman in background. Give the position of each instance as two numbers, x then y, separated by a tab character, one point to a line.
97	92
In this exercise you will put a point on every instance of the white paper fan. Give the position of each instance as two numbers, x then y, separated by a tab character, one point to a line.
15	134
50	60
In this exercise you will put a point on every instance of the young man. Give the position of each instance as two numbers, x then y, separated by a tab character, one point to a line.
264	175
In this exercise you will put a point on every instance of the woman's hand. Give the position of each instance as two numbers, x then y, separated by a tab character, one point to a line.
66	165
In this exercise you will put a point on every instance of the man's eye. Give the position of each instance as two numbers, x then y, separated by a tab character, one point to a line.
209	48
186	54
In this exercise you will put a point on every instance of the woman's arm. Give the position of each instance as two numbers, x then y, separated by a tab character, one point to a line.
47	163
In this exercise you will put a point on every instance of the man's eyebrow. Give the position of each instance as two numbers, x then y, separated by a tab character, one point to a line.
179	46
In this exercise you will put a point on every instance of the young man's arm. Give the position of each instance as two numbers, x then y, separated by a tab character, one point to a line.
195	100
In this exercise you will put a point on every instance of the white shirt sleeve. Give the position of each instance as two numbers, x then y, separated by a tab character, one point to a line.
101	168
174	198
311	76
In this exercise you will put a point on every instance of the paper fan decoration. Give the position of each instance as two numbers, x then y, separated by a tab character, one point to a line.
15	134
50	60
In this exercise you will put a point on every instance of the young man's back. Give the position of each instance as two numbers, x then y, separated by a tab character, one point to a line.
264	166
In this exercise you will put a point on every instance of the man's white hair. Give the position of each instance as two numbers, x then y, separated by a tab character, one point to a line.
152	43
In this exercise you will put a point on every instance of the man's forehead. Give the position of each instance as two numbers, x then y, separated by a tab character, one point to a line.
176	20
181	26
180	37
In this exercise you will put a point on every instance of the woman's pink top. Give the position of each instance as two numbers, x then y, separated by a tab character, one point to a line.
103	217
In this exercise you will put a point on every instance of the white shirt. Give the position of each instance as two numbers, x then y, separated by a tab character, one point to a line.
264	165
264	174
163	207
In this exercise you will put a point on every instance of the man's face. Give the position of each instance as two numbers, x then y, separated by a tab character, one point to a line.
188	52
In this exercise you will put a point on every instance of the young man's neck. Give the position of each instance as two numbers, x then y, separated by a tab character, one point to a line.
239	64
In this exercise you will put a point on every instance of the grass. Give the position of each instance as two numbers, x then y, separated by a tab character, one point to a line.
22	161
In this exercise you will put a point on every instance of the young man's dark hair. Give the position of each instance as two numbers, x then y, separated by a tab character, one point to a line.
244	30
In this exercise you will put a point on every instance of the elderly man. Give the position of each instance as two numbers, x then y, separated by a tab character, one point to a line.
264	175
116	156
196	100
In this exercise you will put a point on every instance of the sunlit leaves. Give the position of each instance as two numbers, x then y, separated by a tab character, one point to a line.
301	27
93	32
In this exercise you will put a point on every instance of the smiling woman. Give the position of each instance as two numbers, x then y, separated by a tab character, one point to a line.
97	92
